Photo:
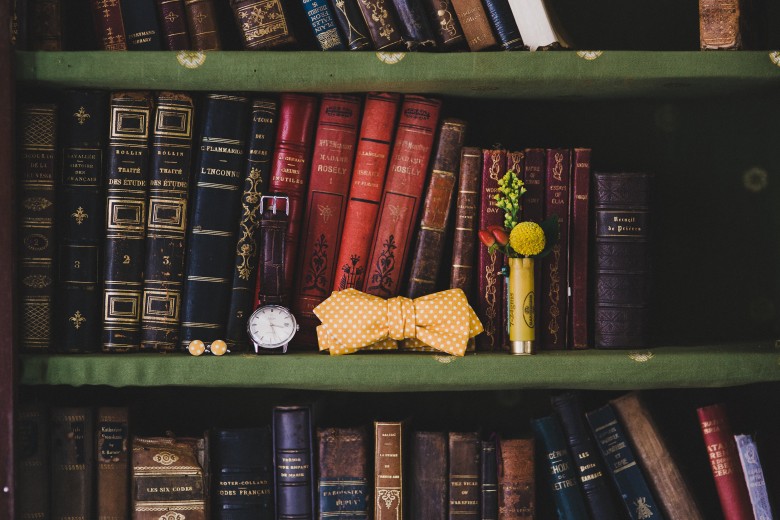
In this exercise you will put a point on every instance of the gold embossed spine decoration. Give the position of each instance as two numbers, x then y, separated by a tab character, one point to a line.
720	24
264	24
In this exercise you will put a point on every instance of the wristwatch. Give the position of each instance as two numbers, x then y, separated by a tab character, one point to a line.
272	325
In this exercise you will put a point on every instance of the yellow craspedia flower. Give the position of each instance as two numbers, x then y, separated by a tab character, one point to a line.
527	238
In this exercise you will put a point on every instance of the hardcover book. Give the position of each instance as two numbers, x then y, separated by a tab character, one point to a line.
293	462
504	25
532	203
445	25
323	24
464	239
72	462
580	240
141	28
537	25
721	23
430	475
350	20
389	486
344	473
754	476
202	25
475	24
264	24
109	26
112	452
173	20
45	25
416	33
465	451
32	461
382	22
488	481
516	479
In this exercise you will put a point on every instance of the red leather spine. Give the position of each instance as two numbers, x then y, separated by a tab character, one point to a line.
326	202
464	240
401	197
580	236
109	27
490	286
174	24
532	203
290	170
725	464
368	179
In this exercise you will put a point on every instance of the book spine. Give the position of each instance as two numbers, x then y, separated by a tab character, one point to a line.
476	26
533	204
173	18
464	238
211	235
430	477
126	191
264	24
559	468
109	26
113	464
724	462
202	25
169	184
504	25
490	287
32	462
353	26
343	473
382	23
141	28
365	192
72	462
38	140
326	202
290	168
400	206
446	27
257	174
46	25
20	16
555	267
465	450
719	24
580	240
754	476
413	24
429	247
517	481
292	441
535	25
323	23
488	481
388	471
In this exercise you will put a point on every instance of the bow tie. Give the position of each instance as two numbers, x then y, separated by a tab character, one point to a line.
353	320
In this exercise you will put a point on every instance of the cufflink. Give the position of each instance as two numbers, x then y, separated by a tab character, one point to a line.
216	347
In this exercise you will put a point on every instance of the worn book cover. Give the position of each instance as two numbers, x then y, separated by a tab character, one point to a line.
429	474
390	488
344	475
112	453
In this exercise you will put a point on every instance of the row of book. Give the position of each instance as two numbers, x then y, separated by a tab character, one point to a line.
608	463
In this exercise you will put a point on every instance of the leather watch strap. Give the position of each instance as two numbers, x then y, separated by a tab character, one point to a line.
272	230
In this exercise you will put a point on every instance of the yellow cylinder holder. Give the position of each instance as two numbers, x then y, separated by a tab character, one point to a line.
522	319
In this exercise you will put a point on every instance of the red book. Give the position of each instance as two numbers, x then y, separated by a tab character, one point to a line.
580	236
365	192
331	169
290	170
109	26
173	20
401	198
532	203
490	285
555	266
725	464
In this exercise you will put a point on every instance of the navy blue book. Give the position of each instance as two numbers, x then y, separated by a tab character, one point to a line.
293	462
489	481
323	23
142	30
415	29
622	465
504	25
559	468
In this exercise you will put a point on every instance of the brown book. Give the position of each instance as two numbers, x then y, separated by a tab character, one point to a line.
669	486
580	238
720	24
113	464
31	449
173	21
264	24
344	472
109	26
202	25
45	25
72	463
383	25
430	475
465	450
388	470
475	23
464	239
446	28
516	479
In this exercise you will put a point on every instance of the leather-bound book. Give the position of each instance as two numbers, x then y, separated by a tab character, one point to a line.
37	246
343	483
72	463
754	475
211	235
389	462
532	202
112	452
323	24
622	465
402	195
446	28
490	286
269	29
169	183
173	24
32	461
290	167
622	267
383	25
429	245
202	25
724	462
365	192
326	203
45	25
20	34
243	472
293	462
109	26
588	466
80	218
476	26
413	23
558	466
667	483
465	450
141	27
488	480
580	240
516	479
504	25
350	20
430	475
257	172
554	300
721	24
464	240
127	176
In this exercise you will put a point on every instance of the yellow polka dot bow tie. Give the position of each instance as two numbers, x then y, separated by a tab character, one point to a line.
353	320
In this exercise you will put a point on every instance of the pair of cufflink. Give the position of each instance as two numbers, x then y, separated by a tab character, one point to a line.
216	347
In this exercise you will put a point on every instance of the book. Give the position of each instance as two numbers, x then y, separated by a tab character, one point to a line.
202	25
622	465
389	465
475	24
622	267
211	235
721	24
504	25
516	479
429	494
580	240
326	202
72	462
754	476
293	462
537	25
142	30
488	480
465	450
382	23
323	24
464	240
264	24
109	26
532	203
45	25
413	24
31	451
353	27
377	129
112	453
446	28
667	482
169	185
173	25
725	462
401	196
20	34
127	177
343	483
37	246
242	468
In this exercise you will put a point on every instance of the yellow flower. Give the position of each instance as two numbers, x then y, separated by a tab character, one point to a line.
527	238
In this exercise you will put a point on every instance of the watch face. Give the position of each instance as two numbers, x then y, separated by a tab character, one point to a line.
271	326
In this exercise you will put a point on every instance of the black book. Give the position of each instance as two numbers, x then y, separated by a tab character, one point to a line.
80	217
465	467
72	462
488	481
211	233
430	475
32	461
142	30
293	462
353	27
504	26
414	26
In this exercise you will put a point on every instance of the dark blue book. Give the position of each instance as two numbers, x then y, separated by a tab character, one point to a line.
352	25
142	30
323	23
414	26
622	465
504	26
489	481
293	462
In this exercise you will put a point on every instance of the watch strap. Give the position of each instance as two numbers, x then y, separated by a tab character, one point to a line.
273	227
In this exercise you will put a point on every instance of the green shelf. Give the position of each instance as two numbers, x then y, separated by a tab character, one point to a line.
519	75
662	367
